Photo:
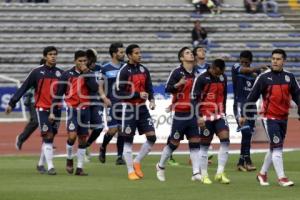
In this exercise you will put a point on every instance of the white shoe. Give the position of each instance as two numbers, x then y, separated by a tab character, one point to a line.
196	177
285	182
262	179
160	173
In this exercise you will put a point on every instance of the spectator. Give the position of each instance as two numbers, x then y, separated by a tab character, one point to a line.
206	6
253	6
199	35
269	5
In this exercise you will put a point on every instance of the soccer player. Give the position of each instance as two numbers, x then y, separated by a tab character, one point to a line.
277	87
134	88
109	73
200	59
43	79
180	84
76	90
209	95
243	77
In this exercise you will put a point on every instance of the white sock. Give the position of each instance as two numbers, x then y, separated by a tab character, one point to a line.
267	163
203	160
222	156
165	155
69	150
195	158
127	154
80	157
42	157
278	162
145	149
48	151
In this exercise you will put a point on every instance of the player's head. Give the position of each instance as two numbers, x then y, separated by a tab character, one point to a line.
246	58
217	67
80	60
185	54
91	57
117	51
50	55
133	53
278	59
199	52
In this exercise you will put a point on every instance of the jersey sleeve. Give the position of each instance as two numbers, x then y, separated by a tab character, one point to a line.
172	80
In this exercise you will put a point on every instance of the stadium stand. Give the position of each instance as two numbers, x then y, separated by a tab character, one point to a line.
159	29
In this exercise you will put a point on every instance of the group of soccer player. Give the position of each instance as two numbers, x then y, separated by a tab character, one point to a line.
199	93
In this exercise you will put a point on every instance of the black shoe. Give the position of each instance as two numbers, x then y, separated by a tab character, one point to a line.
18	143
102	155
120	161
69	166
80	172
51	171
41	169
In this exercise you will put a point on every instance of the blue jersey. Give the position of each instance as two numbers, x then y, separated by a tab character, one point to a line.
109	72
242	83
201	68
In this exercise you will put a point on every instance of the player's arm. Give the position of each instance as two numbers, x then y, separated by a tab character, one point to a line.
174	82
195	99
149	90
62	86
91	82
225	94
295	92
122	85
28	83
101	90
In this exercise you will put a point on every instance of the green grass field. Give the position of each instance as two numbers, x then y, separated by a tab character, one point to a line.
19	180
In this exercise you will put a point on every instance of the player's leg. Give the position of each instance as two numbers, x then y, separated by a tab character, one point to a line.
171	160
96	123
120	146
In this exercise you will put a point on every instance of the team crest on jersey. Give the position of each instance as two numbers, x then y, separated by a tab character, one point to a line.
249	84
287	78
45	128
276	139
100	113
57	74
142	69
108	118
206	132
72	126
221	78
128	130
176	135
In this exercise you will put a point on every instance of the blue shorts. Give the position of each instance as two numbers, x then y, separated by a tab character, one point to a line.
43	119
136	117
276	131
114	115
96	118
78	120
184	124
213	127
238	109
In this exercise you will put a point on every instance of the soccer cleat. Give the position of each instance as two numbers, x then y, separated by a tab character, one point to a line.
80	172
120	161
250	167
172	162
51	171
69	166
138	169
285	182
262	179
41	169
222	178
160	173
102	155
18	143
132	176
205	180
241	168
196	177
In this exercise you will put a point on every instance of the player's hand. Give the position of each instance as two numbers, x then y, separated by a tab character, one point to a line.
168	109
84	69
263	68
242	121
201	123
8	110
152	105
144	95
51	117
107	102
182	81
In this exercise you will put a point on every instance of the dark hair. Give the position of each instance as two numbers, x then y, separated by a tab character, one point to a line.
79	54
114	47
196	48
42	61
280	51
219	63
91	54
180	52
48	49
130	48
246	54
